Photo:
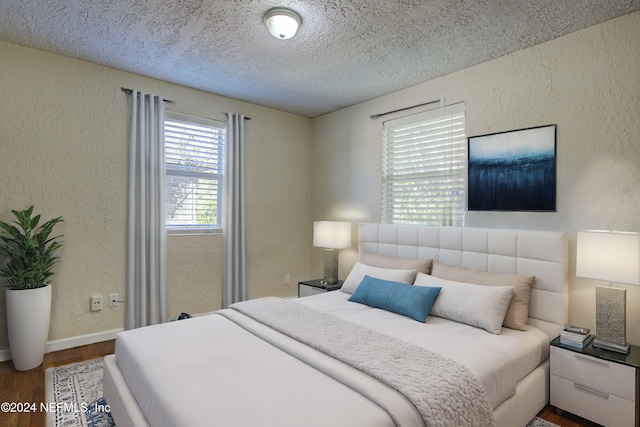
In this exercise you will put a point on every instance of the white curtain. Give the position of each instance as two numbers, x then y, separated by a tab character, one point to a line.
234	285
146	233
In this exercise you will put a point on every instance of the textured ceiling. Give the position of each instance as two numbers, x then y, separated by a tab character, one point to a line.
345	52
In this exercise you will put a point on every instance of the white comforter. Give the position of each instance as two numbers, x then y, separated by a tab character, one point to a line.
498	361
195	372
208	371
433	383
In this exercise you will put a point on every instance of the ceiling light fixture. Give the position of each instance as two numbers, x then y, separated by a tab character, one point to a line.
282	23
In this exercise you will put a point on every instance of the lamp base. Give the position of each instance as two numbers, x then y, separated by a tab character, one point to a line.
610	346
330	267
610	318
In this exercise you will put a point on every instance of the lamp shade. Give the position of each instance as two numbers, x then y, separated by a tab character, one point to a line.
613	256
332	234
282	23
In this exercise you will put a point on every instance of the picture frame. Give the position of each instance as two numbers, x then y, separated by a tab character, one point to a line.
513	170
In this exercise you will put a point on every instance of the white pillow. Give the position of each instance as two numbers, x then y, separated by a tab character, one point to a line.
360	270
476	305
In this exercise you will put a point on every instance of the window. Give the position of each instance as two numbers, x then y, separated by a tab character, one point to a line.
194	161
424	168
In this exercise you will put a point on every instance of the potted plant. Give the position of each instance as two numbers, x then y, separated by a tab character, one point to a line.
32	254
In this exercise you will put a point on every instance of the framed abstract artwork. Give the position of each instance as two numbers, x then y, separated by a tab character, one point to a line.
513	170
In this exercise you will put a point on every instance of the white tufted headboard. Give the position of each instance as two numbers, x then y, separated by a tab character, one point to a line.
543	254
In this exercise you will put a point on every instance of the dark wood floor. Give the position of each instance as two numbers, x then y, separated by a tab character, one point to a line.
566	419
28	387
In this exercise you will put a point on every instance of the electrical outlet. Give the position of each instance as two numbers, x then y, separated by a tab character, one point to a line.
113	300
96	302
287	279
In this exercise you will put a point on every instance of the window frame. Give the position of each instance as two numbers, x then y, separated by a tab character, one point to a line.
411	163
173	229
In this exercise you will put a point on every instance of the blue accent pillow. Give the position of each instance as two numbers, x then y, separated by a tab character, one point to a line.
401	298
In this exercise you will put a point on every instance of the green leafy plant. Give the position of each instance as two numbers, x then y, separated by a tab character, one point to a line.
31	252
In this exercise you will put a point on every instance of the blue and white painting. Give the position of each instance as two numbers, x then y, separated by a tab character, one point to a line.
513	171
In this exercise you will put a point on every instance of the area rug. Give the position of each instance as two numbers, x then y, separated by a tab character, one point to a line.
539	422
74	392
74	396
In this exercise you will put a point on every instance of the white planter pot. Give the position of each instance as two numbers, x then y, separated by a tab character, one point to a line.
28	315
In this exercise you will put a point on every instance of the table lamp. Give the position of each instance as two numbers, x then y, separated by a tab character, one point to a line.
612	256
331	235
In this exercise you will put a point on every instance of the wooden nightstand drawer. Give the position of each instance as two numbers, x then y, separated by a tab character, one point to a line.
606	409
594	373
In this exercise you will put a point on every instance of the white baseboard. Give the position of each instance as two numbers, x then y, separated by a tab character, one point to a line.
65	343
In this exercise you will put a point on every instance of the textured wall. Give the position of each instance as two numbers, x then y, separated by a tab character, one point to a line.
63	148
586	82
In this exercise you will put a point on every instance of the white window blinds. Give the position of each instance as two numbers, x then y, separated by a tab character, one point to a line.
194	154
425	168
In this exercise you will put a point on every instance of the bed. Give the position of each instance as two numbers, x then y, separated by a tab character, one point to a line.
324	360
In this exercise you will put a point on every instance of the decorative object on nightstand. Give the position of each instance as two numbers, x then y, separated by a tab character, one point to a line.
575	336
612	256
597	384
332	235
317	286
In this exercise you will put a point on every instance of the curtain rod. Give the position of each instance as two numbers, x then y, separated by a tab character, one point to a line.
376	116
245	117
128	92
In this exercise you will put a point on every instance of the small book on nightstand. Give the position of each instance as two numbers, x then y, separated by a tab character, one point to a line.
575	336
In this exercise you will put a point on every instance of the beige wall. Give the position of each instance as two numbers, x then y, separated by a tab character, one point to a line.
63	148
586	82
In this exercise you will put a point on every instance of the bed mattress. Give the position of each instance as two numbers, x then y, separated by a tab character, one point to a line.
193	372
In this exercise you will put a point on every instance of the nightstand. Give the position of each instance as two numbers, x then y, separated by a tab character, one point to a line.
313	287
596	384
